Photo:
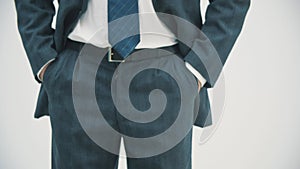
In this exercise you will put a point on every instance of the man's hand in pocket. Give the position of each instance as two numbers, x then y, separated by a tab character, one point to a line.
199	85
41	75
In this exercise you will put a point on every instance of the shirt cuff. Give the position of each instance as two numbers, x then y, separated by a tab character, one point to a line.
195	73
39	72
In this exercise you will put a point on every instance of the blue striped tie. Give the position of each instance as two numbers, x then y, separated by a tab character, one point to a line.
118	9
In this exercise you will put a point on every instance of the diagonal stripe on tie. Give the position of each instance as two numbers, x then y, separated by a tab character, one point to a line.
118	9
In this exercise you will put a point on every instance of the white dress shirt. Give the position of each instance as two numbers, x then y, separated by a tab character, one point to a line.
92	28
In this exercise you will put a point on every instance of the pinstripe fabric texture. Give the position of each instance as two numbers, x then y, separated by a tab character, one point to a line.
116	32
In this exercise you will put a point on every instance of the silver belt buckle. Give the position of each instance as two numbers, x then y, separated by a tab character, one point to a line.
110	55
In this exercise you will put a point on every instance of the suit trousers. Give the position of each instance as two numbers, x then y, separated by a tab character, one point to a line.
72	148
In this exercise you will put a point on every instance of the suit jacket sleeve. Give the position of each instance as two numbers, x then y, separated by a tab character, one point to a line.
34	23
223	23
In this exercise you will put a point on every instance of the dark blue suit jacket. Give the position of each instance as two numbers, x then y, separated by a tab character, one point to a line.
224	20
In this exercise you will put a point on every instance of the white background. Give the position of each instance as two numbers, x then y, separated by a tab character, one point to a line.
261	123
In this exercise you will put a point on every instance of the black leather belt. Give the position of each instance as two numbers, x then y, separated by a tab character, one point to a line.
112	55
